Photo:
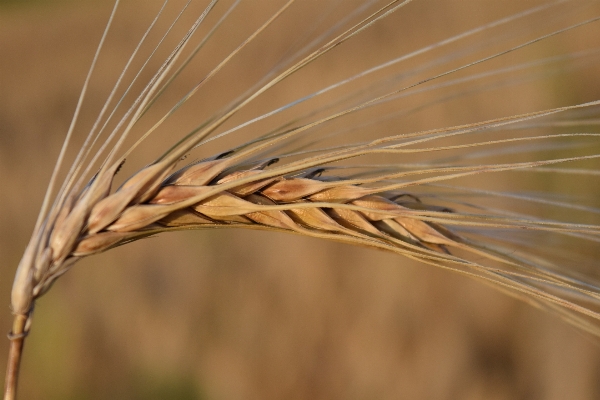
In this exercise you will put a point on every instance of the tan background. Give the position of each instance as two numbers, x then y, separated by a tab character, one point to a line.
254	315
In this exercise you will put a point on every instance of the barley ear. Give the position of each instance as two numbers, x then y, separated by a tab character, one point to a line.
286	179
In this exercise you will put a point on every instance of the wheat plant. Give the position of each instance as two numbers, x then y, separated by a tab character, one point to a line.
337	158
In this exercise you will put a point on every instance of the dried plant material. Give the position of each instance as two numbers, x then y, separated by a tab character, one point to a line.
286	178
351	218
183	218
292	189
199	174
99	242
340	194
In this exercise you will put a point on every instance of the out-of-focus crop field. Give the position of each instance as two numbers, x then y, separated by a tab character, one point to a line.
234	314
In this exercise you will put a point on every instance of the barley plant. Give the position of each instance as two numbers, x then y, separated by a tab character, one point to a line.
458	135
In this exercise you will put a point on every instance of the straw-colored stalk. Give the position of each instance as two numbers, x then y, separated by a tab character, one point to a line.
303	192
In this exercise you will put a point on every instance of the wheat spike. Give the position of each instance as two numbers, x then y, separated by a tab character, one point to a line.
283	180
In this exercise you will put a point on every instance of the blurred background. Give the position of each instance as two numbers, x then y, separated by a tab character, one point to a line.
235	314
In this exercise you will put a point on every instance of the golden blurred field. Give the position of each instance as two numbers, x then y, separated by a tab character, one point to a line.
233	314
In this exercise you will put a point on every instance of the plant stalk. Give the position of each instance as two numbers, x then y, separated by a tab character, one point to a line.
17	339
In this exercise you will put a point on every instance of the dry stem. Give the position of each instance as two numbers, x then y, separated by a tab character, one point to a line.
17	339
